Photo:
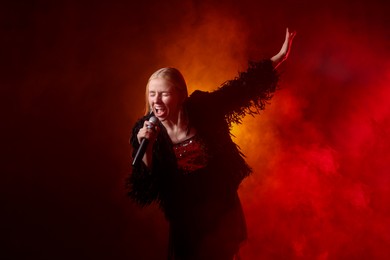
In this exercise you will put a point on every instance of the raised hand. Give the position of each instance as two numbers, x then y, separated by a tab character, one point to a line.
285	50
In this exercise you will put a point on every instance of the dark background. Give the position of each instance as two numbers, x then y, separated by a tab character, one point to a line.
73	77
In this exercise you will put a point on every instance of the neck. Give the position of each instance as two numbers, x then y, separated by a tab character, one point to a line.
175	122
177	127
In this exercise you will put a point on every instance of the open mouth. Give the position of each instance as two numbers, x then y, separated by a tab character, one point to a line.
159	111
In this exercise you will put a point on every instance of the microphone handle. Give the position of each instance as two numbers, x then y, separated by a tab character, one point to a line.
141	151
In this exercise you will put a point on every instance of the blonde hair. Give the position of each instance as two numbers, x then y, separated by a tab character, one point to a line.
174	77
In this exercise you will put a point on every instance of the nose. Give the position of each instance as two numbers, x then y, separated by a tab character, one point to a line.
157	98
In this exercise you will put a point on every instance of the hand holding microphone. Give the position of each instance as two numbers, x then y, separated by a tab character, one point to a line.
146	134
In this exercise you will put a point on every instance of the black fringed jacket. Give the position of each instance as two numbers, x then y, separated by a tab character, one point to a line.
202	196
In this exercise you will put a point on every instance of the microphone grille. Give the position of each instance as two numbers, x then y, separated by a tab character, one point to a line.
153	120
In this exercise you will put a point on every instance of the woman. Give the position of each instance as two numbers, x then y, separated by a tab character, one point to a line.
191	167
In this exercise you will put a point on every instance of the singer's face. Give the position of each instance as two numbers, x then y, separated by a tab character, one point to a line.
164	99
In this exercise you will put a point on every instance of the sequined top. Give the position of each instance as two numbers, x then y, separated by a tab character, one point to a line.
190	154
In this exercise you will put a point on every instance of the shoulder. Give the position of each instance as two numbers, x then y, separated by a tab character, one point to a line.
198	95
199	103
196	101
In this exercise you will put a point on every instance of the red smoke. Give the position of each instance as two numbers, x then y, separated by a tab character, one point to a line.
321	191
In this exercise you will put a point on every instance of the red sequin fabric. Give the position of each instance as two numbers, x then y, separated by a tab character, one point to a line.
190	154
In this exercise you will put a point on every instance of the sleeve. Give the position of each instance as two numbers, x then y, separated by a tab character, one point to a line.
248	93
142	184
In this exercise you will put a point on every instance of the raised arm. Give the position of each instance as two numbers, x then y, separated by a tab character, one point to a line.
248	93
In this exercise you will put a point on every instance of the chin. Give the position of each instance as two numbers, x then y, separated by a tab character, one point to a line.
161	118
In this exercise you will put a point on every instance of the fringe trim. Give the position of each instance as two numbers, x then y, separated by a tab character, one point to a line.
256	85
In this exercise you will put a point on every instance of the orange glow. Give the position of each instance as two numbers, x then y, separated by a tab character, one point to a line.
209	52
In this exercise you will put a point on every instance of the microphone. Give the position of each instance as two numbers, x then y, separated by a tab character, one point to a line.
144	143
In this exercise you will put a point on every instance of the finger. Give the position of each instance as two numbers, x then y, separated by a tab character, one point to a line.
149	125
292	35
